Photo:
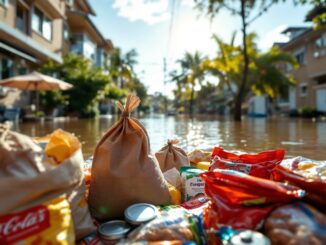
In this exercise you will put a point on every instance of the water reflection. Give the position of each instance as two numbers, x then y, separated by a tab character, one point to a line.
296	136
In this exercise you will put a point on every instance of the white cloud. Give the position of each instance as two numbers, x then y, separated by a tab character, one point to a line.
188	3
150	12
273	36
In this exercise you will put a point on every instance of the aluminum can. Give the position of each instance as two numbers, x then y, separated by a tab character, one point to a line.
111	232
249	237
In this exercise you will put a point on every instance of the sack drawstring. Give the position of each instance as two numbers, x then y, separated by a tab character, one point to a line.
132	102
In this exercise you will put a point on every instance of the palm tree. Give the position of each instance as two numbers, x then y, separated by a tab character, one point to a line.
264	76
247	11
130	58
267	78
121	72
120	67
191	74
226	64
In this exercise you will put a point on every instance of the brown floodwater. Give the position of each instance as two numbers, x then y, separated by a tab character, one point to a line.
299	137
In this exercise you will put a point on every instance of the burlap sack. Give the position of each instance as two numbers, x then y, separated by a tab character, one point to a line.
123	172
26	180
171	156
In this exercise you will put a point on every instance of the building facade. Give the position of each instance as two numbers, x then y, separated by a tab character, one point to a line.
84	37
34	31
308	46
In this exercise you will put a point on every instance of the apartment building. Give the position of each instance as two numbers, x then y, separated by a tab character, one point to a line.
308	46
84	38
34	31
30	34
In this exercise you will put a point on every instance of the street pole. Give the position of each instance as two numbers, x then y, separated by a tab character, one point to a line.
164	82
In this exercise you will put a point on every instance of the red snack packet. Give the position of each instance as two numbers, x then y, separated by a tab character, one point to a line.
255	164
195	202
315	188
242	201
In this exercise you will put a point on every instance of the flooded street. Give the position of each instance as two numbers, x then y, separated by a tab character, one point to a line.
299	137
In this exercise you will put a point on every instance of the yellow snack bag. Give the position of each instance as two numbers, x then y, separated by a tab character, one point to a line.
175	194
61	145
306	165
28	180
323	173
48	223
203	165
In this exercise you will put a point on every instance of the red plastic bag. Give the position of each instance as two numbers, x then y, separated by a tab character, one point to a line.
242	201
255	164
315	188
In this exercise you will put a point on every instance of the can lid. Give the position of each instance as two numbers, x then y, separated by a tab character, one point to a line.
140	213
248	237
114	229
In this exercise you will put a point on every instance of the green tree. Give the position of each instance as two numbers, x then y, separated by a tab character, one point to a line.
264	74
318	13
191	74
88	82
137	87
121	71
207	98
245	9
226	65
120	67
158	102
267	78
53	99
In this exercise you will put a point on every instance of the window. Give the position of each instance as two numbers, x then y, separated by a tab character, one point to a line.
89	48
300	58
65	31
21	23
289	67
320	46
77	44
22	70
321	80
4	2
319	43
37	20
303	90
42	24
6	68
47	28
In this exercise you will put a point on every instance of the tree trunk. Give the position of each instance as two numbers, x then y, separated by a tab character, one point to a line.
191	109
242	88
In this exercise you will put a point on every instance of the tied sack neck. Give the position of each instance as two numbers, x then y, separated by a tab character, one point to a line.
131	103
172	142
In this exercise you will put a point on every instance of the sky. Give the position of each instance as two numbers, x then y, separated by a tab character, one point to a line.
166	29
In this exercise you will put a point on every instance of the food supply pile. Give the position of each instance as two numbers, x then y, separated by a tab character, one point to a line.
125	195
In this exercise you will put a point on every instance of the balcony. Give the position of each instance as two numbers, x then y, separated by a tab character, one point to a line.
22	41
54	8
79	22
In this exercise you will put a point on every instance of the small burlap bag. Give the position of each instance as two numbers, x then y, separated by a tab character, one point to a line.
171	156
123	171
26	180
